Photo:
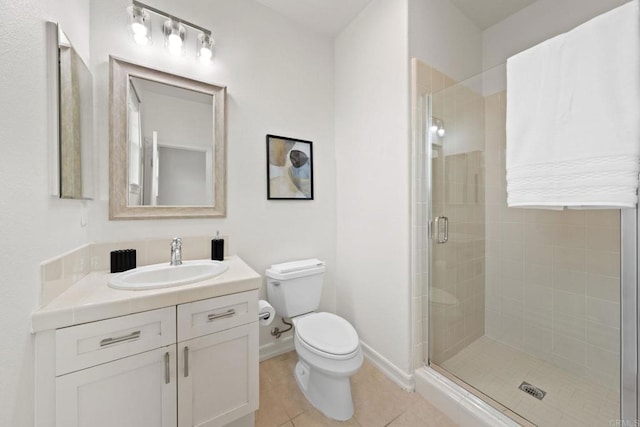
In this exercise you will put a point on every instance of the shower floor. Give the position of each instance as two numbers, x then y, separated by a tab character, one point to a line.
497	370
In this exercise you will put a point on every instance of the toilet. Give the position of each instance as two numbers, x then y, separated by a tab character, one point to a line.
327	345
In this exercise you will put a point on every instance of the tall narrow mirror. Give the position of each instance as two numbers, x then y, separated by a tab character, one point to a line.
71	127
167	145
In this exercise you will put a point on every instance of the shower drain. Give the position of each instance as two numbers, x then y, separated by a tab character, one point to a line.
532	390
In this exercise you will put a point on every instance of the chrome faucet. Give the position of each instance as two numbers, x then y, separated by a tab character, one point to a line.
176	251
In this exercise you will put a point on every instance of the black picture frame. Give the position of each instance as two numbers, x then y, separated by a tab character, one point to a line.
289	168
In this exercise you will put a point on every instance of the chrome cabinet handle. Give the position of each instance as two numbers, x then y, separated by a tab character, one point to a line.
167	369
441	225
108	341
186	362
227	313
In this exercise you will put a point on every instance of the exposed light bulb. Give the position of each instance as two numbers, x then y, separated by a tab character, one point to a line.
175	49
140	38
175	41
204	47
441	132
174	34
205	54
139	24
139	29
433	128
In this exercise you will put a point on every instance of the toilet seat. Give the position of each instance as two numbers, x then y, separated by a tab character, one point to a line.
327	335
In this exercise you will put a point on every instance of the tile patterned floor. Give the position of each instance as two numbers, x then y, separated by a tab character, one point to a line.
378	401
497	370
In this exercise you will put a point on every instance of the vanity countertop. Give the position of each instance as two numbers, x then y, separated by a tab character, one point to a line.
91	299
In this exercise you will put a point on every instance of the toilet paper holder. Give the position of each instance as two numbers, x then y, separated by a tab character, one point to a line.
264	316
266	313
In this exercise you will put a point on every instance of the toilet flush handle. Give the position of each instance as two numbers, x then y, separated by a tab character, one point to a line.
276	283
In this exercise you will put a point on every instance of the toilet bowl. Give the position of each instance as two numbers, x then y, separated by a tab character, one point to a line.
327	345
329	353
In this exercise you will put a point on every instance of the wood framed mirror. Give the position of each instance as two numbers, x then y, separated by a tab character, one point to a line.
167	148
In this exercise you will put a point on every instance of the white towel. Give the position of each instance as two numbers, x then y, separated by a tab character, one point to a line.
573	116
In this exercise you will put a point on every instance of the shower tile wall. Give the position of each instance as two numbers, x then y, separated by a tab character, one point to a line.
552	277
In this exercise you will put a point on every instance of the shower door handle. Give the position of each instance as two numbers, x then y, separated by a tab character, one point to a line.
441	226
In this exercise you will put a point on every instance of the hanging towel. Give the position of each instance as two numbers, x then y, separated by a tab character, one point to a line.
573	116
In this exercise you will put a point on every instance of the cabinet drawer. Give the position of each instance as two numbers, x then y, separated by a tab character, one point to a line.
216	314
90	344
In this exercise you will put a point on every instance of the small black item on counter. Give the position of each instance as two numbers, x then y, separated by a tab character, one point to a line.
217	248
123	260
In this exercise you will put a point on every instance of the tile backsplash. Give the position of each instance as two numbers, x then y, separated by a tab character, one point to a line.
59	273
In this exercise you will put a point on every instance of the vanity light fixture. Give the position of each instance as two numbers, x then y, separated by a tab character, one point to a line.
175	31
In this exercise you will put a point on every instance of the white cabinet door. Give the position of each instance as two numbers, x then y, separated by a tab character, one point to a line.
136	391
218	377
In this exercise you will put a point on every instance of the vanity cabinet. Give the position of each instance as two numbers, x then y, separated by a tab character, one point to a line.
193	364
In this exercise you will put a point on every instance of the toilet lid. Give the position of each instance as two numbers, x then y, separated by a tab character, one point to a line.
328	333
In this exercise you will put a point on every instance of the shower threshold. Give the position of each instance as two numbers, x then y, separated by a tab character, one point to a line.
480	395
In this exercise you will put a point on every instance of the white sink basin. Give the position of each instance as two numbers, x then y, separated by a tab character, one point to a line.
166	276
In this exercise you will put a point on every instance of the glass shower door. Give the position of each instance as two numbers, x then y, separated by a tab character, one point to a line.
456	162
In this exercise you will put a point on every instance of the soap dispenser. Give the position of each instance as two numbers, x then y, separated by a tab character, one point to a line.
217	248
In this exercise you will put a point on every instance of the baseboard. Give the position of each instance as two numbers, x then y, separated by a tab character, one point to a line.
273	349
246	421
397	375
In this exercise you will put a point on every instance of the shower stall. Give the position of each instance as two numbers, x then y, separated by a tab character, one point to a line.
533	311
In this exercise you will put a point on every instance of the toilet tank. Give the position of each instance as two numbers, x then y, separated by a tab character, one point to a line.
294	288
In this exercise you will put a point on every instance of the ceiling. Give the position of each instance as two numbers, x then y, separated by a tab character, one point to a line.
324	16
485	13
331	16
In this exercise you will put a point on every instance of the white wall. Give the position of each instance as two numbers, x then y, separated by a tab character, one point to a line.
444	38
279	79
34	226
372	162
536	23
